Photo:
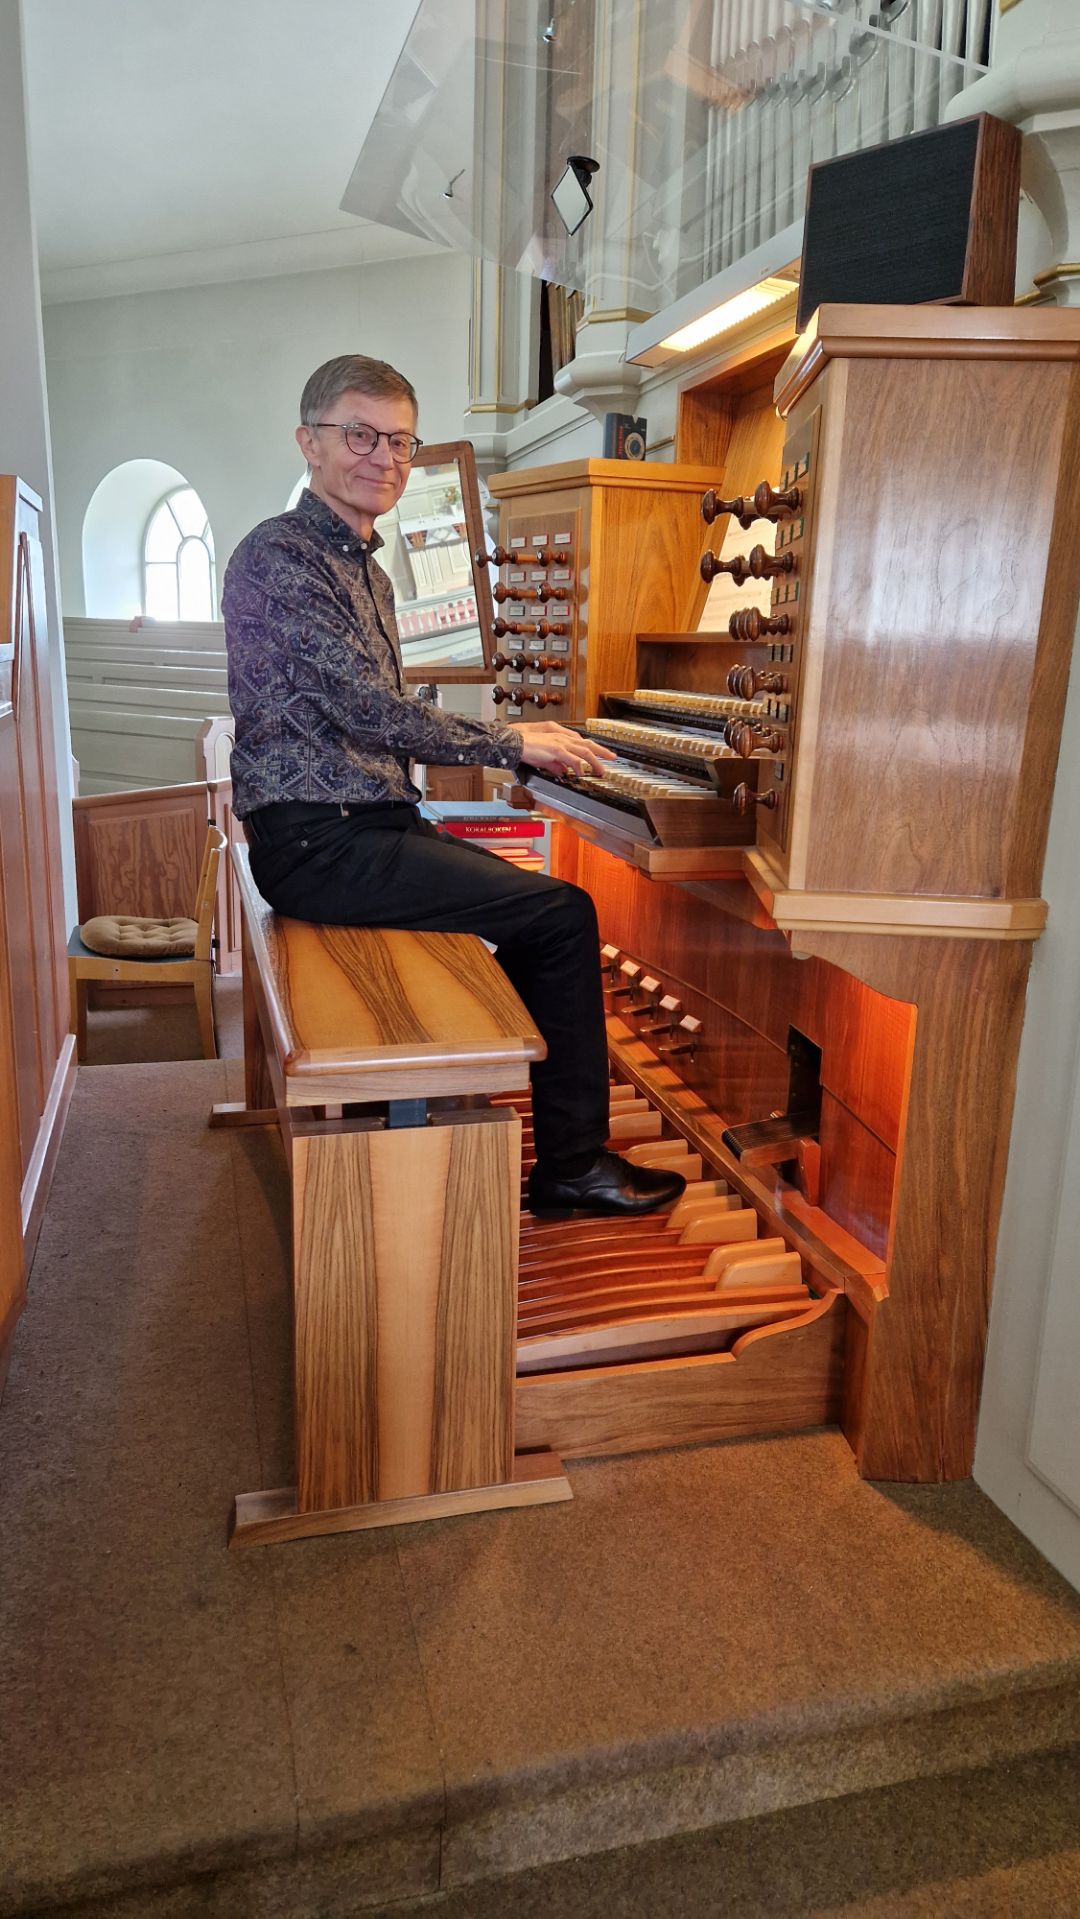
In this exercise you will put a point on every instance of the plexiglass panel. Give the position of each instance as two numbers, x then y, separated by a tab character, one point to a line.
704	115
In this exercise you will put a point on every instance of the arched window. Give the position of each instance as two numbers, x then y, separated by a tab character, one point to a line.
178	560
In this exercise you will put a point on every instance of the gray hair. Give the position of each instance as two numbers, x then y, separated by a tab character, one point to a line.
352	373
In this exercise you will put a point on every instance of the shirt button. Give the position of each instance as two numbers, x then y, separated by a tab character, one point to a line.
461	757
344	546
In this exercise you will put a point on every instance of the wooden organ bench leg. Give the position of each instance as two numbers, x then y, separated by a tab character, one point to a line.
404	1287
405	1231
259	1107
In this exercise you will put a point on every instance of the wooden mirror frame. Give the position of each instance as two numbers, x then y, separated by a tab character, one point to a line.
460	453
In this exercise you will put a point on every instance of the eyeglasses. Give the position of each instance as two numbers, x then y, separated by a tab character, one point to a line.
364	439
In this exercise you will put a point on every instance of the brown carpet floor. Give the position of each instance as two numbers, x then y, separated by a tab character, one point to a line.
723	1680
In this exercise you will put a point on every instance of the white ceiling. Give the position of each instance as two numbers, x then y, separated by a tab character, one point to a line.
177	142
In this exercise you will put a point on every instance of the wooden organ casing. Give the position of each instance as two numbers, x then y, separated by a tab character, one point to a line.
645	522
882	905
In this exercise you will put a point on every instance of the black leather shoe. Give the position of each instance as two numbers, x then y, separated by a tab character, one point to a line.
612	1186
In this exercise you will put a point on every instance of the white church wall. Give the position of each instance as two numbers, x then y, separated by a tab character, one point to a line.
208	380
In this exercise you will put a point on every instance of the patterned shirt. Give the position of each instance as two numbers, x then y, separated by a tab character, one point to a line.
315	677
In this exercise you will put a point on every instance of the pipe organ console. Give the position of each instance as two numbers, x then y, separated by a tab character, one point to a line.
816	863
553	606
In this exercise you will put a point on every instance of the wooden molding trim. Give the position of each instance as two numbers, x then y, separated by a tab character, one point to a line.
39	1173
911	915
925	333
570	474
266	1519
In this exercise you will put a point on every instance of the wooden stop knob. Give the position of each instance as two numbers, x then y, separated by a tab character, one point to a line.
713	507
746	682
739	568
744	797
501	593
772	505
766	566
745	737
497	557
751	625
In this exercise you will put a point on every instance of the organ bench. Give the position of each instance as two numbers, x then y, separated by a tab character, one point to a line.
369	1049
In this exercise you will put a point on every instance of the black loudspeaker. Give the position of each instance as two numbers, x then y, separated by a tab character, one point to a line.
929	218
624	437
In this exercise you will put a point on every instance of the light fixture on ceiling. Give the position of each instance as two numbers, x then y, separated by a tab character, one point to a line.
763	278
448	190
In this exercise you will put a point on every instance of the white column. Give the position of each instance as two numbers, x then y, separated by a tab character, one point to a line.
504	357
504	329
24	410
1034	81
598	377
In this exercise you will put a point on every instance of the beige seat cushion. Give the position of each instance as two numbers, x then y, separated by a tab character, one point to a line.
122	936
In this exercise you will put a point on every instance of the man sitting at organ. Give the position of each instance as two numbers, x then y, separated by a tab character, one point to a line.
325	732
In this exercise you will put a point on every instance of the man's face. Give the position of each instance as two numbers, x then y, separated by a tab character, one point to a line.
358	486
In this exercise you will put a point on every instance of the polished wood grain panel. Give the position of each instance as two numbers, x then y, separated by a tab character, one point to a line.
857	1177
780	1378
359	1013
334	1311
836	332
938	789
990	254
405	1247
473	1411
748	989
925	1356
269	1519
639	541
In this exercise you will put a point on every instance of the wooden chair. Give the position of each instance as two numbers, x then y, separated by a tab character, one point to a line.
134	967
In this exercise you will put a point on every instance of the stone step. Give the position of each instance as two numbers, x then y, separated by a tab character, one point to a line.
701	1641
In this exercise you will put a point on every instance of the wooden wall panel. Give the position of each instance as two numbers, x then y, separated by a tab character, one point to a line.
18	937
743	984
36	1050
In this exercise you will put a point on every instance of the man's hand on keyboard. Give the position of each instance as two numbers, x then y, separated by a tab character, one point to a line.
552	748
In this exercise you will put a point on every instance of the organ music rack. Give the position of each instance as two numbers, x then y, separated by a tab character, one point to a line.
874	894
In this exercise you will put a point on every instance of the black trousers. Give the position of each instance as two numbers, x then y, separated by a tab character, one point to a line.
386	866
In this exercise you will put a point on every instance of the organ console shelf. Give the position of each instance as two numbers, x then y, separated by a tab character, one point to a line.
884	905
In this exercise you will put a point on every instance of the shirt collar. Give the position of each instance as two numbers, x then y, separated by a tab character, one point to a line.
327	522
